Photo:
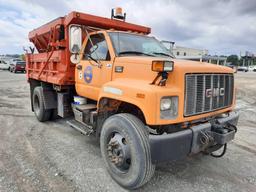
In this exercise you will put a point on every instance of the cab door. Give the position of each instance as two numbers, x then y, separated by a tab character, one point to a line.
95	67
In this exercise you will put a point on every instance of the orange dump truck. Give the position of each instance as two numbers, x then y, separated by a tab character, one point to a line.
116	82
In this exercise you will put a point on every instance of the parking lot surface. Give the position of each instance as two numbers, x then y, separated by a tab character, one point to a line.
52	156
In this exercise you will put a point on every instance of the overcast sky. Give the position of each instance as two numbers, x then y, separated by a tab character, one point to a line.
221	26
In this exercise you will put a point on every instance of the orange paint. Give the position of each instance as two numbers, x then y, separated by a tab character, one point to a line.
132	85
137	78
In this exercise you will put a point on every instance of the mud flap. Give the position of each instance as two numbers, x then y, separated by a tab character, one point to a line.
49	98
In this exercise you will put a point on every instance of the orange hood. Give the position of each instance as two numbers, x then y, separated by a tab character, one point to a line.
138	67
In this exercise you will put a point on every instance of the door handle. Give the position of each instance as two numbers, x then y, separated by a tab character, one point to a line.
79	67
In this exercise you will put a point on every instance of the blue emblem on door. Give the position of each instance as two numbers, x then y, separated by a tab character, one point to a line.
88	74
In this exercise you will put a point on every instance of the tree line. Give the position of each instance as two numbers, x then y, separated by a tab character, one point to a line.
235	60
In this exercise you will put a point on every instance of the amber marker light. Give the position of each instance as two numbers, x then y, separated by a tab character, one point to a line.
140	95
162	66
119	11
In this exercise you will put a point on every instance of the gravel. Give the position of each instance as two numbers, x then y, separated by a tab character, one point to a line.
52	156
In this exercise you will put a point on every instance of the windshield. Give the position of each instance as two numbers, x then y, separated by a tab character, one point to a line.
132	44
20	63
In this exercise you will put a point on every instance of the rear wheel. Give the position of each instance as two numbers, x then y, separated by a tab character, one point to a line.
41	113
126	151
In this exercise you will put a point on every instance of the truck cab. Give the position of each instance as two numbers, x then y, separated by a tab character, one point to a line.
119	65
123	86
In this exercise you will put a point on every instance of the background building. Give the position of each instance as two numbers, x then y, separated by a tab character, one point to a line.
201	55
248	58
7	58
188	52
194	54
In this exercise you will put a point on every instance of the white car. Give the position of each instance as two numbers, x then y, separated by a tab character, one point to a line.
3	65
250	68
242	68
12	61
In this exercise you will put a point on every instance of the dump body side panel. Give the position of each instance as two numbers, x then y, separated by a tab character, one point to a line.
56	71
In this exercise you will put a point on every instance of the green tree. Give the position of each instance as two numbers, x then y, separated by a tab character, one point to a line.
22	56
233	59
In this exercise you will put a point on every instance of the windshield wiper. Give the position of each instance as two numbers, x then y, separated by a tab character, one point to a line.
161	53
136	53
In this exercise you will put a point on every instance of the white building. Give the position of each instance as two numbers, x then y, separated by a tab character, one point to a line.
201	55
194	54
179	51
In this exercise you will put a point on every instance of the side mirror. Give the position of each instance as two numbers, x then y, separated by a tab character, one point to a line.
75	38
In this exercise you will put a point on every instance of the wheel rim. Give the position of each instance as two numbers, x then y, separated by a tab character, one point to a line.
119	154
36	105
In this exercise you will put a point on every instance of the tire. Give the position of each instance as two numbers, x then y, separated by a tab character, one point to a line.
136	137
41	113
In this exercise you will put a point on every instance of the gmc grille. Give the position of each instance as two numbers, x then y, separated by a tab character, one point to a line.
207	92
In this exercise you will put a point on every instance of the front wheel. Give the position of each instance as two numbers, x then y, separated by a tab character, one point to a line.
126	151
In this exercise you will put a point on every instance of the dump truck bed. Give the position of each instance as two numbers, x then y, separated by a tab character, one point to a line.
52	64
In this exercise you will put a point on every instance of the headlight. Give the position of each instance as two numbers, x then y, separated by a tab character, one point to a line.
169	107
166	103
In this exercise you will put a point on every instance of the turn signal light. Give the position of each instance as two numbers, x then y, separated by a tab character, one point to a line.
162	66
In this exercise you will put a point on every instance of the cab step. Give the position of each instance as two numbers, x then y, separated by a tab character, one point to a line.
85	107
85	114
82	127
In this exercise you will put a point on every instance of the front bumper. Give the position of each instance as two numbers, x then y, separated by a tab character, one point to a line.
193	140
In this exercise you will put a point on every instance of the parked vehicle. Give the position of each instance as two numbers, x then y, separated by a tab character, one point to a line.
242	68
123	87
18	66
252	68
3	65
12	61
